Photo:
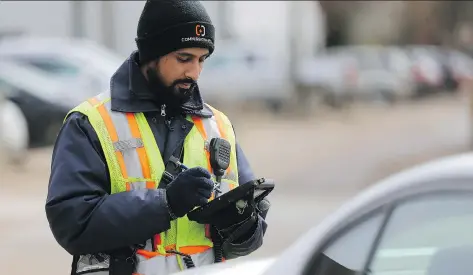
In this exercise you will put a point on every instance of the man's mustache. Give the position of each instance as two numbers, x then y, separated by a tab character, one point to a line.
184	81
182	91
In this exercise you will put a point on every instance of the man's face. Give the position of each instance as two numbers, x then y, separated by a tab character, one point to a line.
180	70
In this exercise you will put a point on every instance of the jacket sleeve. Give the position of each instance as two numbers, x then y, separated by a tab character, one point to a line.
253	238
82	214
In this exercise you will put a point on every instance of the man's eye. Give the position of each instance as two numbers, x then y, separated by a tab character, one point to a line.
183	60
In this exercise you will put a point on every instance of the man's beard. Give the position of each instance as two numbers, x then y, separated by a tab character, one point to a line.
172	96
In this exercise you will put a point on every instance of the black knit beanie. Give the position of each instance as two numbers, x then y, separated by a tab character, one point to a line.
168	25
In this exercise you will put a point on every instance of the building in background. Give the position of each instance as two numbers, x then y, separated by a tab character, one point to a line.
398	22
113	23
259	43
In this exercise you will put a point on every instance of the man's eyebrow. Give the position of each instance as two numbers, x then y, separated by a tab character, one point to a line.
186	54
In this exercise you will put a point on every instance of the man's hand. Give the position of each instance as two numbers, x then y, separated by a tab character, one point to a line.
233	214
192	187
226	220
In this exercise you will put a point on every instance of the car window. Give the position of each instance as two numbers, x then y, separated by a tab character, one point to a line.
38	85
427	236
369	60
348	253
48	65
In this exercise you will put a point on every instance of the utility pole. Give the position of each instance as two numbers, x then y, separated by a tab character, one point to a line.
77	14
300	95
3	150
225	18
292	38
108	24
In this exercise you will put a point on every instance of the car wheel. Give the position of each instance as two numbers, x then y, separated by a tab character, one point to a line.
335	101
388	96
14	133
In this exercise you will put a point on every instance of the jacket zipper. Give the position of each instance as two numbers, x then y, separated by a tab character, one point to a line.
167	120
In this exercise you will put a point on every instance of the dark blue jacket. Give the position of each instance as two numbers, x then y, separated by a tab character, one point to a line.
83	216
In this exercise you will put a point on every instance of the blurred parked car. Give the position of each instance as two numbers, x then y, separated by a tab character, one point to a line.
382	73
461	67
430	70
328	75
238	73
438	69
78	62
357	72
416	222
36	99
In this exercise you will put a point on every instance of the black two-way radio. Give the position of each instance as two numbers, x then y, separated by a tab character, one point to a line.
219	150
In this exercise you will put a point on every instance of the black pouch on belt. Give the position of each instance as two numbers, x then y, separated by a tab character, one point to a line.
121	267
123	261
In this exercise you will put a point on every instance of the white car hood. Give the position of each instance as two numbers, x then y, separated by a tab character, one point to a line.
250	267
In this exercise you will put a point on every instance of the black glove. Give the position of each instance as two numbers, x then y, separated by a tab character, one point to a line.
192	187
235	227
234	214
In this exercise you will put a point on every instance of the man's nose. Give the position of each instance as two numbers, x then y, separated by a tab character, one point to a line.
193	71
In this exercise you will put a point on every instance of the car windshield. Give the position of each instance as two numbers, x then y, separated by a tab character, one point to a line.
63	58
51	65
27	80
422	234
38	84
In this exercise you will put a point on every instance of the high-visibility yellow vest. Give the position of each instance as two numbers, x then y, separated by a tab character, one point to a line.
134	162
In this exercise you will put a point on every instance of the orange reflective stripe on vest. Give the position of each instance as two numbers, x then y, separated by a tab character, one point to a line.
111	131
221	132
221	128
200	126
135	132
220	125
189	250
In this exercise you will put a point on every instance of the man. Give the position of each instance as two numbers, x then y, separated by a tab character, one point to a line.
109	203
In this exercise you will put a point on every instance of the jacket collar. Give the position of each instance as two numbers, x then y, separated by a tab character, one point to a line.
130	93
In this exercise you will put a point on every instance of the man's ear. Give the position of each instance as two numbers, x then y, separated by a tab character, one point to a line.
149	66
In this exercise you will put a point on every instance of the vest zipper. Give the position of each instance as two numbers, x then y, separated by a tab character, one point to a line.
167	120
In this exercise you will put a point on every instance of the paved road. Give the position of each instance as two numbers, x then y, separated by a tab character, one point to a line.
318	163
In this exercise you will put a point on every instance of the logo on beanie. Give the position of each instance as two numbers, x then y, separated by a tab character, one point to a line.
200	33
200	30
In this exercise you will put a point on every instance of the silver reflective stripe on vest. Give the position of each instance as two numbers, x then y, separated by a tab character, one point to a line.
225	187
127	144
211	128
139	185
124	145
165	265
103	96
93	264
149	245
230	176
204	258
